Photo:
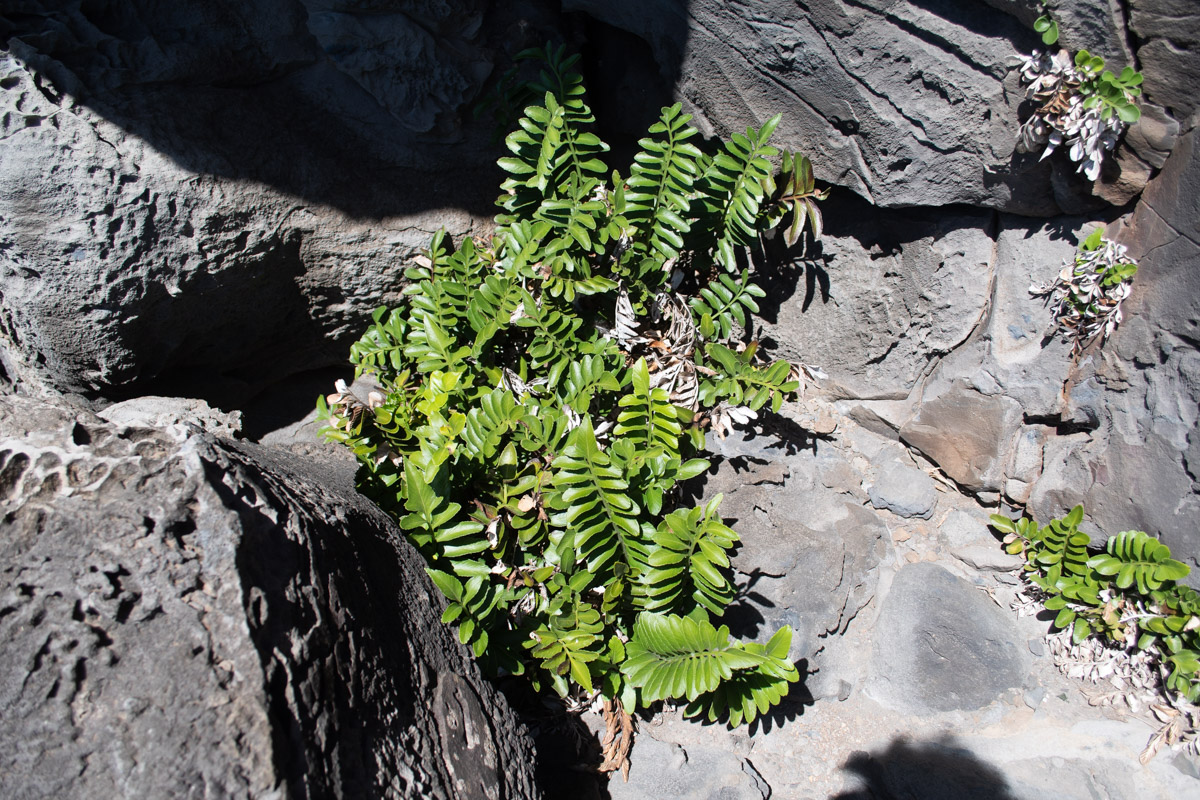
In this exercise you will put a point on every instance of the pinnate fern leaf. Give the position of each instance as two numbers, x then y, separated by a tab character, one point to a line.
670	656
648	420
1136	557
596	524
751	692
724	302
732	190
689	561
661	182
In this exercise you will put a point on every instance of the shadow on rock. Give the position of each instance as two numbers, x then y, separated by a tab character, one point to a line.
936	770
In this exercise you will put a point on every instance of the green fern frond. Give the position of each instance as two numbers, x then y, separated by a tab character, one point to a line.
537	147
554	332
1134	556
487	424
431	346
431	521
380	350
472	606
661	181
689	559
648	421
567	643
724	302
491	308
751	692
742	384
583	379
732	190
675	657
596	523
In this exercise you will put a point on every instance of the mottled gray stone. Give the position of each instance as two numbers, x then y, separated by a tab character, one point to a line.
660	770
987	558
942	645
886	294
906	104
159	412
1168	33
961	529
903	490
220	193
186	616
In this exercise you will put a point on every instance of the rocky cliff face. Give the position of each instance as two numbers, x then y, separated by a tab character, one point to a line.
201	198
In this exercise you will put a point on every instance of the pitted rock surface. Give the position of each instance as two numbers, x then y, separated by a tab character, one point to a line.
182	615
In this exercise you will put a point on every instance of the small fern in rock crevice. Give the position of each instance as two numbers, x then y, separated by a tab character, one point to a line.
542	393
1127	593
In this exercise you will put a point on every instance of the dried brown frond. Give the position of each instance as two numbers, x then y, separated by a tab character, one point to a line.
618	738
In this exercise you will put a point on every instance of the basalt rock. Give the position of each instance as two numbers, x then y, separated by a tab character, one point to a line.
182	615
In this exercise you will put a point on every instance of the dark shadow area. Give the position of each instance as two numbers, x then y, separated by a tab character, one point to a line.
567	751
934	770
364	109
289	401
742	615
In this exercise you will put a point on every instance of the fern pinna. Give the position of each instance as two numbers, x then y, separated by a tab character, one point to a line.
542	393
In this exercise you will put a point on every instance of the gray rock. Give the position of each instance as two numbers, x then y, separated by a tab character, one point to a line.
905	104
961	529
942	645
1168	32
220	214
808	558
662	770
967	434
159	412
903	490
988	559
188	616
886	293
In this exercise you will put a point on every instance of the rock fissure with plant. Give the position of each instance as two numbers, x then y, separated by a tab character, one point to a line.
1122	615
542	394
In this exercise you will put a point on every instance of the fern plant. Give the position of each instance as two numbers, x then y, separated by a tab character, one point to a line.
542	393
1126	593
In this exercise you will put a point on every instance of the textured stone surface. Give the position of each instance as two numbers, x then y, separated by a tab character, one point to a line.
1168	32
185	616
942	645
882	296
1139	397
903	490
668	771
967	434
220	193
906	104
159	412
808	557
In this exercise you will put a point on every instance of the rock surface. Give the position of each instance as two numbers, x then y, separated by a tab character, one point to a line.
903	490
908	105
186	616
942	645
221	193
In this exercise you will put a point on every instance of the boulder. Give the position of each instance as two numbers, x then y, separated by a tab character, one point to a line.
942	645
666	771
221	192
881	296
808	557
967	434
183	615
905	491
